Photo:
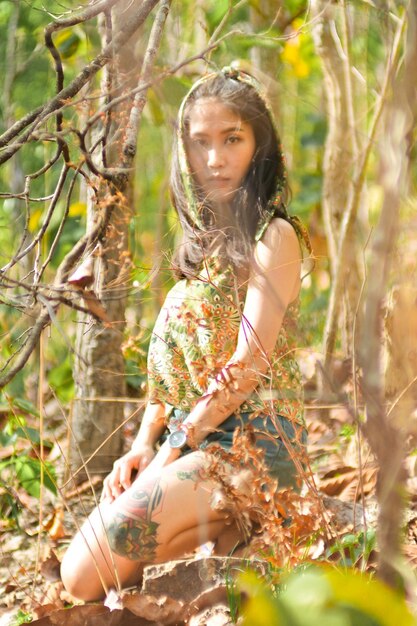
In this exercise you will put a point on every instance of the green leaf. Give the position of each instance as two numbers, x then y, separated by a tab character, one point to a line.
7	438
30	434
260	609
28	472
9	509
20	618
216	13
67	42
49	479
61	380
5	12
317	135
27	476
26	406
172	91
155	108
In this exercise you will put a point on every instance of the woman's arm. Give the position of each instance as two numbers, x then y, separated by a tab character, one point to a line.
152	426
273	284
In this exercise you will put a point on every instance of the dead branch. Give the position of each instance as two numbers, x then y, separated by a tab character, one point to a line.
45	225
130	144
27	349
10	65
44	317
93	10
84	77
107	88
351	211
58	234
339	154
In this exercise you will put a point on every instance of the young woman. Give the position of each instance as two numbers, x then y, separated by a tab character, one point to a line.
221	355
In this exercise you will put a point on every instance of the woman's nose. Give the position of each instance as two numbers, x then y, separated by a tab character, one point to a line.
215	158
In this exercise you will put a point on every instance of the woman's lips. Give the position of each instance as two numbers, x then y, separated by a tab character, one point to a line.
221	180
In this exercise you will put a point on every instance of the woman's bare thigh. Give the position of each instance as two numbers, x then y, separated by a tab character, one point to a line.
161	516
165	514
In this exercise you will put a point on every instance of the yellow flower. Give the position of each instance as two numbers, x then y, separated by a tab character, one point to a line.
293	55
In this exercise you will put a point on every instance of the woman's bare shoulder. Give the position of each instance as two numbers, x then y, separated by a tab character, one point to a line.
280	232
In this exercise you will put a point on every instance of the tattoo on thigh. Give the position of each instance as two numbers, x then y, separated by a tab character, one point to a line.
193	474
132	532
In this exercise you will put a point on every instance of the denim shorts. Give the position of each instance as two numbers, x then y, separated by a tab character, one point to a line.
268	438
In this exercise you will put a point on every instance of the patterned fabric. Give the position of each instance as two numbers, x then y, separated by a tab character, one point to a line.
197	329
195	336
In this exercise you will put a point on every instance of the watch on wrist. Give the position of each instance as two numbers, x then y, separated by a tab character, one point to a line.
177	439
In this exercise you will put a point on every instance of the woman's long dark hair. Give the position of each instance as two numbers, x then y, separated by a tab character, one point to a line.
231	239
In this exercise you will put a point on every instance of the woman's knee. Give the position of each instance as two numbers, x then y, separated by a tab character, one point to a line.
78	578
85	557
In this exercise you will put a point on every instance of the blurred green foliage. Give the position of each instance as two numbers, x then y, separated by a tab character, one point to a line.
21	617
21	465
323	596
354	549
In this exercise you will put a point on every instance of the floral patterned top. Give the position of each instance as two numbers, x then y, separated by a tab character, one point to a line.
196	335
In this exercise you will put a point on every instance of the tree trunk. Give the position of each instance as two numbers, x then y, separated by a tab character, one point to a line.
385	434
341	153
99	365
15	171
262	15
98	408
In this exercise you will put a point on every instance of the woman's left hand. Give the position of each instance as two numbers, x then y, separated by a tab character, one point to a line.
124	470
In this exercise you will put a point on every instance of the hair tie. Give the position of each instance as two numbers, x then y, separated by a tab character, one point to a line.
230	72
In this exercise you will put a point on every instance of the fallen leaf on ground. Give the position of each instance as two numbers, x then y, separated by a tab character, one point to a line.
56	529
163	610
91	615
50	567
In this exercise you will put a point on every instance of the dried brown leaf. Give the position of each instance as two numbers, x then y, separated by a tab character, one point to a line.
93	615
83	275
57	529
94	305
50	567
162	610
344	482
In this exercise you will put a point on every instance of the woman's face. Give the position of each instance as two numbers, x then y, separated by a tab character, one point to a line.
220	147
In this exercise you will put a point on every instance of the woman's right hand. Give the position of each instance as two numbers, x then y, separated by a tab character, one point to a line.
125	471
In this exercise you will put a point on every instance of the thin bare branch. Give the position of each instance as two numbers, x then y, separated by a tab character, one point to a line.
92	11
38	238
349	216
87	73
130	144
10	66
58	234
401	120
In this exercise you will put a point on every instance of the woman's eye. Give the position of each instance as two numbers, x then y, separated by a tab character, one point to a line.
233	139
199	142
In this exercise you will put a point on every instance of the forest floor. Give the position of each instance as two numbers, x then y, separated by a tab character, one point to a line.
32	541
